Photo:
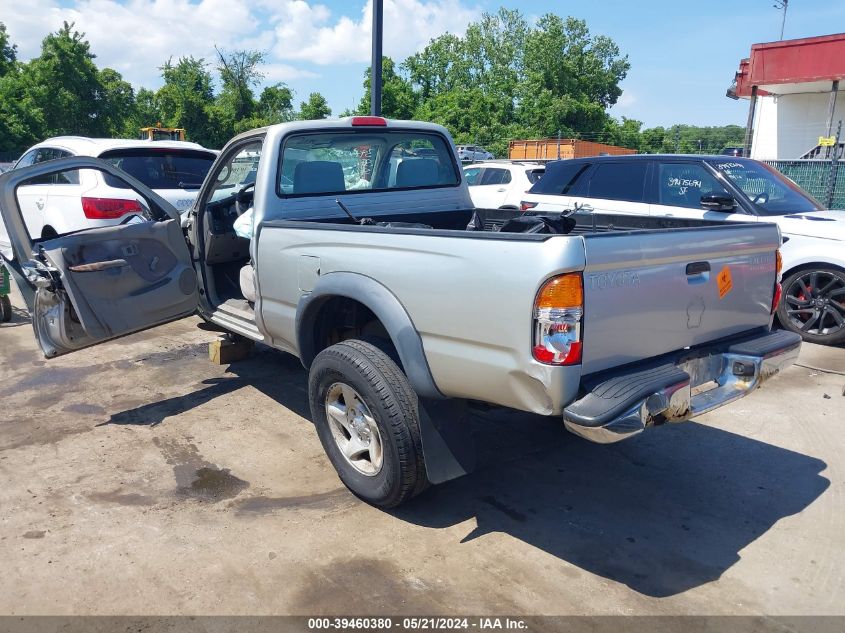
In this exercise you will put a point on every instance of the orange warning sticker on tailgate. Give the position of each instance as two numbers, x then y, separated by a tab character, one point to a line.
725	282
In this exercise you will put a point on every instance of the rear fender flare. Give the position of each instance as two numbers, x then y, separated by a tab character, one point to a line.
386	307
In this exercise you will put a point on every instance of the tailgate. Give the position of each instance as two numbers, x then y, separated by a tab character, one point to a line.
647	293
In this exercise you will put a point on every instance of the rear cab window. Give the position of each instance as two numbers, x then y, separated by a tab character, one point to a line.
352	161
160	168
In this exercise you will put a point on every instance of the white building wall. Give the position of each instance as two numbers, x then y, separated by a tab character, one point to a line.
764	142
789	125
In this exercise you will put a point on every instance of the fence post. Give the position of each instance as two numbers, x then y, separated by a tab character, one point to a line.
834	169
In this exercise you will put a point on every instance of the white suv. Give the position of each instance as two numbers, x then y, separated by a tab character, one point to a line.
494	185
473	152
682	190
86	198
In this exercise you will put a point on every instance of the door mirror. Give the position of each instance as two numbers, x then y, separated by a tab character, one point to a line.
718	202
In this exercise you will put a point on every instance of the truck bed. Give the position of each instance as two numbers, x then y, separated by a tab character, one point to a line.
470	294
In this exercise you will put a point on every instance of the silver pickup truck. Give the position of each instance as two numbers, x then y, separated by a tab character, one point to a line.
362	263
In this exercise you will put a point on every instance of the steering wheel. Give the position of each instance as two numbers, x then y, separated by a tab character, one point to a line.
761	198
242	200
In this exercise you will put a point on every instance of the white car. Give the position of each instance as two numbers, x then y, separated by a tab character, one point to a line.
473	152
682	188
496	185
86	198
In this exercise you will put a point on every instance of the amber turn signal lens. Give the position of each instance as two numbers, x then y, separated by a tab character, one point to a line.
778	261
563	291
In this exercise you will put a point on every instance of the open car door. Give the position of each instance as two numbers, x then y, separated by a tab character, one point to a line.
131	271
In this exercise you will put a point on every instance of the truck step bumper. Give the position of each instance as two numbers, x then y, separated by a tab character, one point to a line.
623	404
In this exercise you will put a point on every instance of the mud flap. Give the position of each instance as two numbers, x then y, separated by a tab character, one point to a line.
447	441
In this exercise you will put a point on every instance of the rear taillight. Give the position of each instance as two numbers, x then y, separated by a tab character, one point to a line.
526	206
778	288
109	208
558	310
776	296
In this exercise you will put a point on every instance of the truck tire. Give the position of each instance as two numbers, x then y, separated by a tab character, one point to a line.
367	418
813	305
5	309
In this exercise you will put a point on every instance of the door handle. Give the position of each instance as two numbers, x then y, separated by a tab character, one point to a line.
501	189
96	267
696	268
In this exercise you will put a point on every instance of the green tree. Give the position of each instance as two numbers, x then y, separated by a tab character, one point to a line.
186	99
398	100
117	101
315	108
571	77
275	104
239	73
64	84
8	52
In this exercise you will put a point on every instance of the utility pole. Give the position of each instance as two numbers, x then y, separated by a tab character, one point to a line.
782	5
375	65
678	140
834	168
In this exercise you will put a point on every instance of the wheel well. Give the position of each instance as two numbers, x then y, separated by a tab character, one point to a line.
48	232
810	266
342	318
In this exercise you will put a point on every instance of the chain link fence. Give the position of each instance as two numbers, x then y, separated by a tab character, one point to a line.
822	179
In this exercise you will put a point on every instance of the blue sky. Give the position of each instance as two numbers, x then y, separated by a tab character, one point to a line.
683	54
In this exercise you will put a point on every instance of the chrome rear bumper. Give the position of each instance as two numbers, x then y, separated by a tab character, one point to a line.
624	404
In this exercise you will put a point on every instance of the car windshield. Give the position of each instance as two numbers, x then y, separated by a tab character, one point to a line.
769	191
161	168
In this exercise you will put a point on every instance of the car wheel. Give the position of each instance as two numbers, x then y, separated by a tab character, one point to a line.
813	304
367	418
5	309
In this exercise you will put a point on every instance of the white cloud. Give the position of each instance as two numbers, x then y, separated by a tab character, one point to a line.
136	37
306	32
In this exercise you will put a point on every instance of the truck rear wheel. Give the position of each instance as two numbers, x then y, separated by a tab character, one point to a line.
367	418
813	304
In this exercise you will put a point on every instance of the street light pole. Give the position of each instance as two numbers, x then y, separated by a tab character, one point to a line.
782	5
375	65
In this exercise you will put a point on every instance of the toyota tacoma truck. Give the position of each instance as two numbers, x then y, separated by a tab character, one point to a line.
359	258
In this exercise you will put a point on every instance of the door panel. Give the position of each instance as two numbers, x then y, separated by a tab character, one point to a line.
97	284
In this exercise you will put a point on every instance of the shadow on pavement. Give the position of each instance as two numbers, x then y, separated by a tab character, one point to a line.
279	376
662	513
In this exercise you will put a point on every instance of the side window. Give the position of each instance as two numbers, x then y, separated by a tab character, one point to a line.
619	181
496	177
236	172
683	184
561	178
473	176
27	159
66	177
43	155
